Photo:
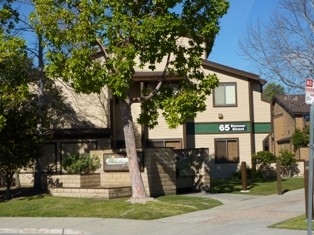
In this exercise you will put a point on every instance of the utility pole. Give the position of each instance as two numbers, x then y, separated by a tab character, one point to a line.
309	99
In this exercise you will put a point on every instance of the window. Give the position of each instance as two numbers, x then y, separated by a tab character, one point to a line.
225	95
176	144
226	150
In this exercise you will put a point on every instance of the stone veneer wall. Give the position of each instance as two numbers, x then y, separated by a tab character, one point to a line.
110	179
160	173
106	193
74	181
193	169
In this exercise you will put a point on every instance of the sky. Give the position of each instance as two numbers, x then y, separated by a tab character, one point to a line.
233	25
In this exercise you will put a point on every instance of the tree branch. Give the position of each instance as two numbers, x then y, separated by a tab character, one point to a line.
158	86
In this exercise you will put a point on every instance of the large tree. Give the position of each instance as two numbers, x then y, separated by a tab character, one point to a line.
51	104
20	143
283	48
130	35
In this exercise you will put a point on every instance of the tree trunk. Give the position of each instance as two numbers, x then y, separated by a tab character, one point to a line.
8	182
41	87
138	190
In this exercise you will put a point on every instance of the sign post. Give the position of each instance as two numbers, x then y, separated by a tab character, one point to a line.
309	99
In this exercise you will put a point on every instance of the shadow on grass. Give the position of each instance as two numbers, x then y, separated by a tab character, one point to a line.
22	194
235	185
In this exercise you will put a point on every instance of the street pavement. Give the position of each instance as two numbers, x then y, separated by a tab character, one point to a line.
239	215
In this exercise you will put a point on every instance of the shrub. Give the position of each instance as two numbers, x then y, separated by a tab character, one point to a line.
264	159
81	164
251	174
300	138
288	163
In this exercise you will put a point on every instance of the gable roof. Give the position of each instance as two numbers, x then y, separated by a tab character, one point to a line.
215	67
294	104
232	71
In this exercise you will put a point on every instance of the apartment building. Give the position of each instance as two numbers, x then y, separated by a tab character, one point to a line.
236	123
289	112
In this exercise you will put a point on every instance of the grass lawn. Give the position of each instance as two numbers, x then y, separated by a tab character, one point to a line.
44	205
297	223
256	187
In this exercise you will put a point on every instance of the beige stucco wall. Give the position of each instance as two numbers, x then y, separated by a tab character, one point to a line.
300	123
284	127
239	113
162	131
259	138
92	110
287	126
223	170
262	108
262	114
161	66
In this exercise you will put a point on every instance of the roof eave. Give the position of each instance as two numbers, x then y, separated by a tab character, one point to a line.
235	72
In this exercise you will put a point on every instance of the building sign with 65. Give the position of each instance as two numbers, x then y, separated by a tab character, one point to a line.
233	127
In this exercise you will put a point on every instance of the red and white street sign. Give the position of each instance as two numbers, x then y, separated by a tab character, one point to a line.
309	91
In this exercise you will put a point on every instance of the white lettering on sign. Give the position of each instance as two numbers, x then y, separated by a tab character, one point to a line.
309	91
232	127
224	127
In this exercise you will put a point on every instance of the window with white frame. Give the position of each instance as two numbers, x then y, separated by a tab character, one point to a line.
225	94
227	150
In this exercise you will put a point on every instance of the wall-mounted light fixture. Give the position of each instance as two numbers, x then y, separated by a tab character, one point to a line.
220	116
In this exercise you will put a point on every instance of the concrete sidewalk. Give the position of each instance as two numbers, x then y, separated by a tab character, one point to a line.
240	215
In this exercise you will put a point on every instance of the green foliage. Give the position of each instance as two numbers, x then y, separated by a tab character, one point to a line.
2	121
95	44
11	48
271	90
20	144
256	186
129	37
286	158
13	75
288	163
8	16
300	138
264	159
251	174
81	164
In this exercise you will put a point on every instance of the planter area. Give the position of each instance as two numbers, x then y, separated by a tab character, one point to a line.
105	193
74	181
88	186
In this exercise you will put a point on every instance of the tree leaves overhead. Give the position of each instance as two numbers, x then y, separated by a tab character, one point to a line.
20	143
13	63
148	29
8	15
95	43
